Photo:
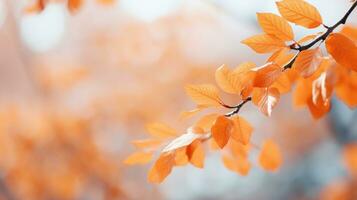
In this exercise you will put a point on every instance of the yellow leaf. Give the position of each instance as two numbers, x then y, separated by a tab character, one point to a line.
160	130
270	157
242	130
308	61
300	13
221	131
162	168
343	50
204	95
275	25
264	43
138	158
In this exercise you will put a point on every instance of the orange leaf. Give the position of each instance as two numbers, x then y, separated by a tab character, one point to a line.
221	130
238	149
350	157
346	90
181	158
282	83
106	2
281	57
204	95
37	7
308	38
162	168
264	43
308	61
319	108
228	81
207	121
343	50
242	130
275	25
270	157
196	154
266	74
148	143
160	130
74	5
239	165
300	13
266	99
138	158
302	93
190	113
350	32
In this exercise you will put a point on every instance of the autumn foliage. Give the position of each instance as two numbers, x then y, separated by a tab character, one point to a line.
301	65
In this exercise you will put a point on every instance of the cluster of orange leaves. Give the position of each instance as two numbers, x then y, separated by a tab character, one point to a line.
301	62
72	5
45	154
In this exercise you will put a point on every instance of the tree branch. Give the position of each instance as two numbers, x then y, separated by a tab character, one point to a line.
322	37
300	49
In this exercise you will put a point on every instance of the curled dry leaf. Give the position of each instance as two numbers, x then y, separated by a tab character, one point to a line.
264	43
270	157
184	140
343	50
221	131
275	25
139	158
300	13
266	99
204	95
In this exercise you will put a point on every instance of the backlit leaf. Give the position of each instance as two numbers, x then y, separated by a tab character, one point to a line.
300	13
343	50
242	130
221	130
275	25
270	157
308	61
160	130
264	43
138	158
162	168
204	95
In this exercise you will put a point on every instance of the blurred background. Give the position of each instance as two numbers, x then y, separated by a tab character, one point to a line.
76	88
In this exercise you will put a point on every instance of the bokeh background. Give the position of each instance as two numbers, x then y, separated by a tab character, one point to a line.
76	88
